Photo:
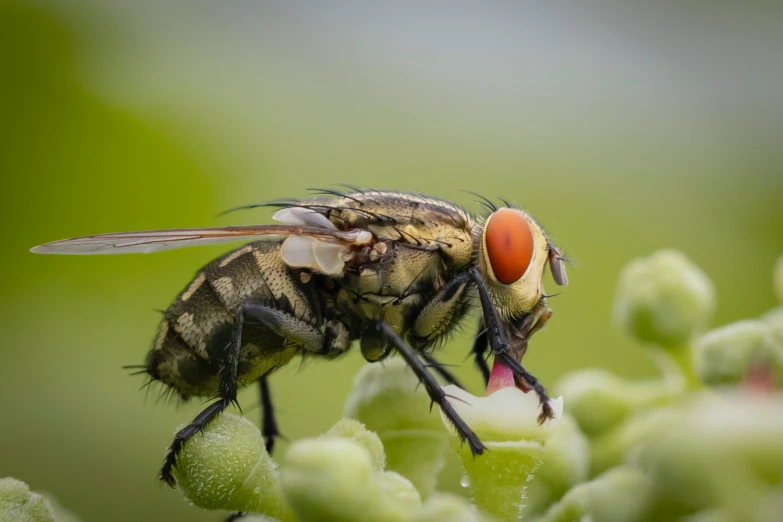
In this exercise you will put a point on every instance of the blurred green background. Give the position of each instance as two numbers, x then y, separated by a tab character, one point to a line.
623	129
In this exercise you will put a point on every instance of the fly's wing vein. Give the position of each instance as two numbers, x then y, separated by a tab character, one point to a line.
158	240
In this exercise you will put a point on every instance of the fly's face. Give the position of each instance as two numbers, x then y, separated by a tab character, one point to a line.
513	251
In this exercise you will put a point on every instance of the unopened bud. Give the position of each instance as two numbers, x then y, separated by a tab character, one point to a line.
332	479
663	299
389	401
227	467
19	504
774	319
619	495
443	506
729	354
356	431
599	399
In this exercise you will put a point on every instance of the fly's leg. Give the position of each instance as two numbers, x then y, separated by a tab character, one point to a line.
502	350
269	428
278	321
479	351
441	370
437	318
436	393
227	394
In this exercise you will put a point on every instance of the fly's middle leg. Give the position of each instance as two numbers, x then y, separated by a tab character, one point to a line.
436	393
269	429
441	369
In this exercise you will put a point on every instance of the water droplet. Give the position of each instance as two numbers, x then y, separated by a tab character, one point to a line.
464	481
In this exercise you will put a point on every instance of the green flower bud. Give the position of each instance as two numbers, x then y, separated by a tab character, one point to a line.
725	451
565	464
619	495
355	430
390	402
402	498
614	447
779	279
332	479
19	504
442	506
727	355
663	299
599	400
774	319
227	467
506	422
746	424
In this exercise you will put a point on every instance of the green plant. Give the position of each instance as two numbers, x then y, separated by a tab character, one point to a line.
702	442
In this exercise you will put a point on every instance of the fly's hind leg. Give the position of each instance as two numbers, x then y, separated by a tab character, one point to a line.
286	325
228	364
436	393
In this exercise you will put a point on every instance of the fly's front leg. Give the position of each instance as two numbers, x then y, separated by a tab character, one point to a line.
479	351
438	317
503	350
436	393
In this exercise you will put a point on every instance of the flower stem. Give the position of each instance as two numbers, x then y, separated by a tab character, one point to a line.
676	364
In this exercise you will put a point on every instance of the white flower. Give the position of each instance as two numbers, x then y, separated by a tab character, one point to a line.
508	414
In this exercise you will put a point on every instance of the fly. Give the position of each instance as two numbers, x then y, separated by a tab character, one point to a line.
393	271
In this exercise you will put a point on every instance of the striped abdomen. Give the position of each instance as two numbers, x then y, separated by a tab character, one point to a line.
197	327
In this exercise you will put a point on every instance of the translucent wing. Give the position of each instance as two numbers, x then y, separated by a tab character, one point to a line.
156	240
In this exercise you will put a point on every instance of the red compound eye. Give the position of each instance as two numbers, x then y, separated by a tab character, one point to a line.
509	245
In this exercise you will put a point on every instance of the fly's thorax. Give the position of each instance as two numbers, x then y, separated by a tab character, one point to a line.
511	252
401	270
409	218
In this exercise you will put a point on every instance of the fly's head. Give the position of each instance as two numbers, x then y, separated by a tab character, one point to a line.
512	254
